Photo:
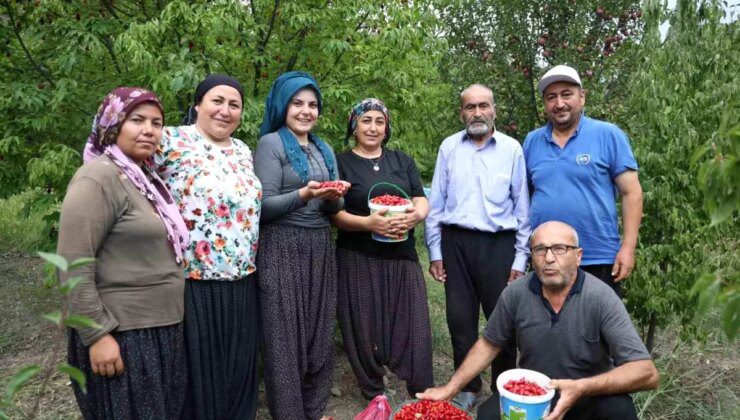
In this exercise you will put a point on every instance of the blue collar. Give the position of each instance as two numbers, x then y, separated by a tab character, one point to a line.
535	285
581	122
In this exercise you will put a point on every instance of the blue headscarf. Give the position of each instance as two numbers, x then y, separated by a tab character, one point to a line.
276	105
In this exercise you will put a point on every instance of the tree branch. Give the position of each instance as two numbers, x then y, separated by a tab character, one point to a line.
357	28
292	61
110	9
16	30
262	46
112	53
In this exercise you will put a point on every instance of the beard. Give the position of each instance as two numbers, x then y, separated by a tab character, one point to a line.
478	128
566	121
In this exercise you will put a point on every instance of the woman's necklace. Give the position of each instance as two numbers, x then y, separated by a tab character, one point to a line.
375	162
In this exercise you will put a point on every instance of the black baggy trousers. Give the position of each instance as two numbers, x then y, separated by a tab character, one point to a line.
477	265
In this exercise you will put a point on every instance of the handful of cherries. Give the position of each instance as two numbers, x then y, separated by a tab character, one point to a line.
333	184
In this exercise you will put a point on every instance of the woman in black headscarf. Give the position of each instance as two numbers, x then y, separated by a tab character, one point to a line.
211	176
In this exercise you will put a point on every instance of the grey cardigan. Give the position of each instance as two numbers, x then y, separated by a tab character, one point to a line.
281	202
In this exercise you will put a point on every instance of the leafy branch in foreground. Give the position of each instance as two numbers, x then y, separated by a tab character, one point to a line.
719	178
61	320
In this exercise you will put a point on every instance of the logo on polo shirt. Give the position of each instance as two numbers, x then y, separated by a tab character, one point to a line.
583	159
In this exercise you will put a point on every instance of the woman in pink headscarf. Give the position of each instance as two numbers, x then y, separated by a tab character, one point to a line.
119	212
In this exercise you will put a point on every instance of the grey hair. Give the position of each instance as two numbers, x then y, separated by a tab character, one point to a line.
476	85
555	222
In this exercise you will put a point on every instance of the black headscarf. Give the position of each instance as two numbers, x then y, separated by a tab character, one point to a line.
211	81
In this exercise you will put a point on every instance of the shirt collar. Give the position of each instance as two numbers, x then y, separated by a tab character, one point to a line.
581	122
491	139
535	285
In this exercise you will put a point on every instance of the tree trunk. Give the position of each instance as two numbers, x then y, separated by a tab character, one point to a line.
652	326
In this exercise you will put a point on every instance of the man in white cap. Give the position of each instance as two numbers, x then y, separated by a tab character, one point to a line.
575	167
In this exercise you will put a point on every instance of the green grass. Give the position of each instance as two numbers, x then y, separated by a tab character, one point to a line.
699	380
21	229
436	299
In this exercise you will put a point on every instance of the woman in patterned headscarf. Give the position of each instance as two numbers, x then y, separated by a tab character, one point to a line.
211	176
119	212
382	300
297	273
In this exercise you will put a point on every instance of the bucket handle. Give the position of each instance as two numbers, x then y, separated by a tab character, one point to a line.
390	185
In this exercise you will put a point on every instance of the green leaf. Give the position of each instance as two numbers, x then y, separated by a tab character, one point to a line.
55	317
81	262
723	212
50	276
20	379
55	259
71	283
731	316
708	296
702	283
81	321
76	374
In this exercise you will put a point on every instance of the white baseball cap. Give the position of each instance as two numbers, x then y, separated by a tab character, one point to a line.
559	73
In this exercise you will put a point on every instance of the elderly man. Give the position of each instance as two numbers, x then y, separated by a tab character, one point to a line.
477	228
575	165
567	325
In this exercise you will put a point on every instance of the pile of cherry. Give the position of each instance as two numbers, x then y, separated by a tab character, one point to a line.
390	200
431	410
524	387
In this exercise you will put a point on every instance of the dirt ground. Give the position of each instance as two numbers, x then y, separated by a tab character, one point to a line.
25	338
699	380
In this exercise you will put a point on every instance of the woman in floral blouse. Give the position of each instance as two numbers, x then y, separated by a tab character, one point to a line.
211	176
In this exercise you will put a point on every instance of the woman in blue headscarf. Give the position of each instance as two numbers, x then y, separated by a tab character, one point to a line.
295	261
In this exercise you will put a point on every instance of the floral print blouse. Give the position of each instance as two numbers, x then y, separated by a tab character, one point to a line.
219	197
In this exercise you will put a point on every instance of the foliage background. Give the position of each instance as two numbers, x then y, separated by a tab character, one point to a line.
675	94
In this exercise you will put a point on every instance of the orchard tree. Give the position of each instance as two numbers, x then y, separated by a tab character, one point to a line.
510	44
60	57
685	88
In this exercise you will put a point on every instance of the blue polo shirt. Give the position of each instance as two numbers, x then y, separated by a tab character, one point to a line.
575	184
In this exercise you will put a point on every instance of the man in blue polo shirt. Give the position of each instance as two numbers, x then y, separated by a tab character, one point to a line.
575	167
568	326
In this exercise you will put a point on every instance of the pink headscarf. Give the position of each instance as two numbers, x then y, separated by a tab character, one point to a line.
102	140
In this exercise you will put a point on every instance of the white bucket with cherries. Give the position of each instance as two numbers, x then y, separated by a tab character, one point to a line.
395	204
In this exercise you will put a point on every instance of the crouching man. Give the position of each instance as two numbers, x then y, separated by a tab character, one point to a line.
567	325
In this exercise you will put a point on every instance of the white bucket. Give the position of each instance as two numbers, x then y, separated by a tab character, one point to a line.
392	210
522	407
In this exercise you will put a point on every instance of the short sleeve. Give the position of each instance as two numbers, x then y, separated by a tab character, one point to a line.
417	188
159	161
619	332
622	158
